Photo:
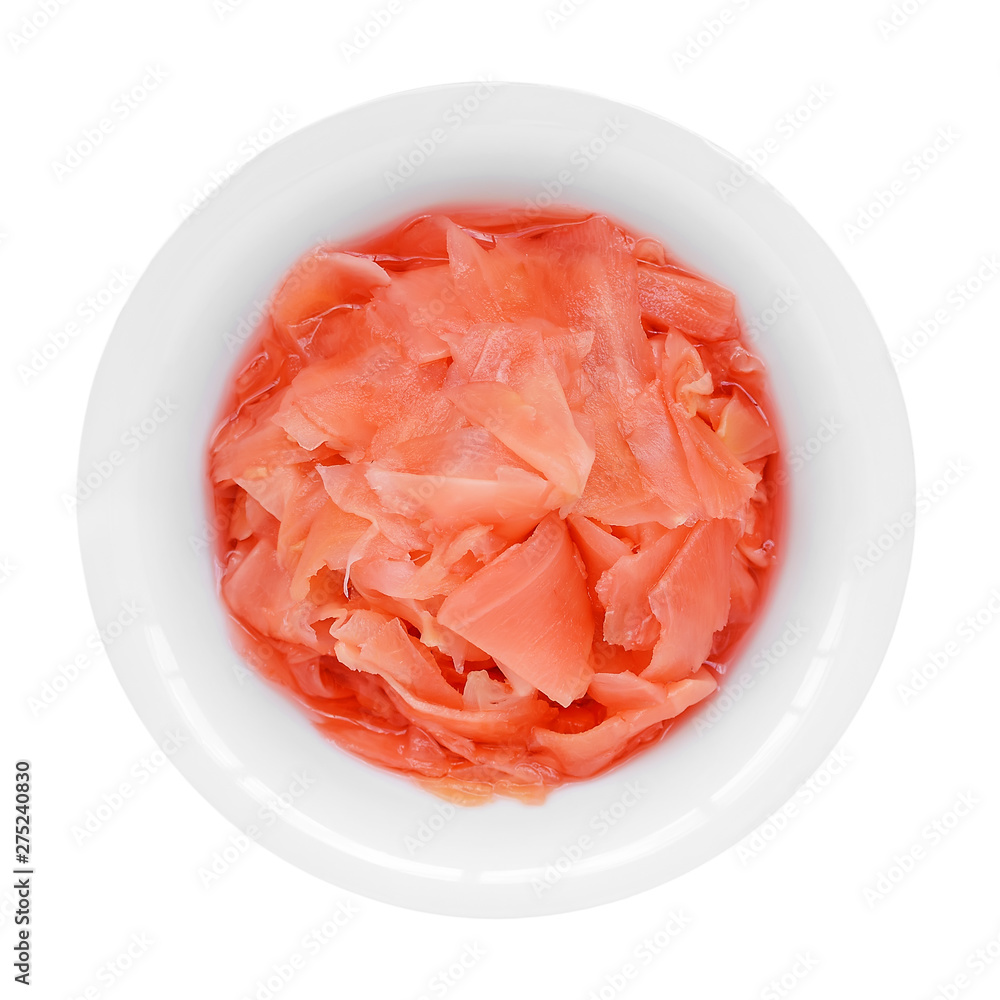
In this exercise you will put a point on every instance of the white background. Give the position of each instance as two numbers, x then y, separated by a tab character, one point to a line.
819	908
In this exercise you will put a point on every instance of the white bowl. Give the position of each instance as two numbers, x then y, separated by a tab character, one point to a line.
811	658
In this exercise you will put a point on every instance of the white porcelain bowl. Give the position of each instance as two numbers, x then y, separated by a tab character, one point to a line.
250	752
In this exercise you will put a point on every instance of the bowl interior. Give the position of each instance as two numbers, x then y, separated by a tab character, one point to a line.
810	660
